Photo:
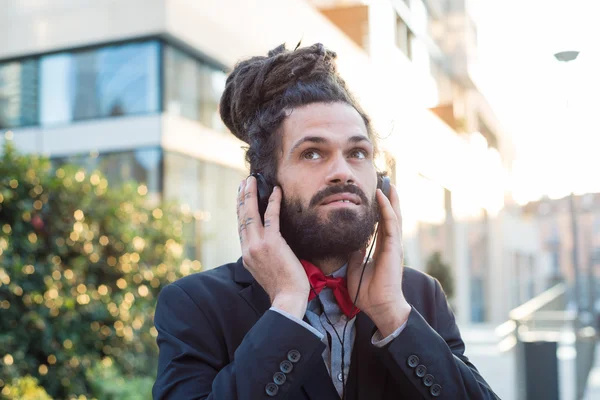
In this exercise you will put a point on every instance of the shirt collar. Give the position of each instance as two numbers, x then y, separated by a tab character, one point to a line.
340	273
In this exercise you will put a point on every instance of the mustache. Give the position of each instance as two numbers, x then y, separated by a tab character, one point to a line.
331	190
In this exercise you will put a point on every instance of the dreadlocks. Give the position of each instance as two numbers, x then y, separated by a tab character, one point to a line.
261	91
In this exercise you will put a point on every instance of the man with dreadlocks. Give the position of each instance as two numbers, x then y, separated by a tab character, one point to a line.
305	313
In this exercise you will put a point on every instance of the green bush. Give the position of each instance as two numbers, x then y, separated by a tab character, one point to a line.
442	272
108	384
25	388
81	265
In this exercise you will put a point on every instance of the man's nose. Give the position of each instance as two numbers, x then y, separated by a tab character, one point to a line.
340	172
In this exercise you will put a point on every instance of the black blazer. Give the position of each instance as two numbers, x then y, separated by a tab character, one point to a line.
219	340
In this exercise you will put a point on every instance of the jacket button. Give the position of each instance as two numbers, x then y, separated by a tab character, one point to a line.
428	380
286	367
271	389
435	390
293	356
413	361
421	371
279	378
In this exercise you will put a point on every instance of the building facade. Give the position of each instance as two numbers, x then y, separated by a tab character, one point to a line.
131	88
570	234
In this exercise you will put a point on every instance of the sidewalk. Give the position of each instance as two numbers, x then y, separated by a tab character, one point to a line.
496	367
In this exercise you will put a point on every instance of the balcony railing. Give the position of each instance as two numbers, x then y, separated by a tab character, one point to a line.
535	331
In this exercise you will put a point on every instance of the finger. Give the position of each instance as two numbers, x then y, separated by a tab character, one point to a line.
395	201
388	217
241	211
273	210
357	258
380	235
251	220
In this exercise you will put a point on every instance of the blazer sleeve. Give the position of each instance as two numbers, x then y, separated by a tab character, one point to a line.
193	359
433	360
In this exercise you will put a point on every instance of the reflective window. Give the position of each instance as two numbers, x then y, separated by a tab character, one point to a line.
193	88
209	191
18	93
141	165
109	81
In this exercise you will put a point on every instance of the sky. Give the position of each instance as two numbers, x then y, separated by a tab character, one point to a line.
549	108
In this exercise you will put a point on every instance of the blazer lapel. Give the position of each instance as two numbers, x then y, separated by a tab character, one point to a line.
252	293
367	377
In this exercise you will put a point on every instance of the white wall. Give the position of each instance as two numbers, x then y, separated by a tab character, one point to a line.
193	139
35	26
102	135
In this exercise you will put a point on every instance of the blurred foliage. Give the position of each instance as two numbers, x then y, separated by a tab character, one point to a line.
25	388
108	384
442	272
81	265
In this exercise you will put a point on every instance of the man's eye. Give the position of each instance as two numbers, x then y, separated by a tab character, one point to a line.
311	155
360	154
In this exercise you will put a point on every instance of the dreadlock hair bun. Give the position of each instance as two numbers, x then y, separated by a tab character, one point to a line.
260	90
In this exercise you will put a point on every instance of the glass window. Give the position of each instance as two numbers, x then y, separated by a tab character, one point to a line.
210	192
109	81
220	242
404	37
193	88
182	180
141	165
182	184
181	84
18	93
477	300
211	87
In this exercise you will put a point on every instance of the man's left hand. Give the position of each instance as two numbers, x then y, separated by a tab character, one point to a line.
381	296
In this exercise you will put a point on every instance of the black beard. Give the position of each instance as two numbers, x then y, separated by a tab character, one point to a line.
343	232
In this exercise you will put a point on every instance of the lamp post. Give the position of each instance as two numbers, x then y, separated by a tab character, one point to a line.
566	57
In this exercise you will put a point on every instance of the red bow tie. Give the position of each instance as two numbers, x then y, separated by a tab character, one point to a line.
319	281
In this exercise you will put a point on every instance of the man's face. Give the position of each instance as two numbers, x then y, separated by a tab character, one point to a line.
329	180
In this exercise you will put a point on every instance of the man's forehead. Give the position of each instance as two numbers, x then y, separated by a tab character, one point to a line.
329	121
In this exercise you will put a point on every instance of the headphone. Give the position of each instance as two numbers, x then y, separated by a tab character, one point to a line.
264	190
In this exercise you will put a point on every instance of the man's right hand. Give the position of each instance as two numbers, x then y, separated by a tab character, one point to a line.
267	255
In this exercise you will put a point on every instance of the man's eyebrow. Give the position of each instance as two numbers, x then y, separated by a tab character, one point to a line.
322	140
311	139
359	138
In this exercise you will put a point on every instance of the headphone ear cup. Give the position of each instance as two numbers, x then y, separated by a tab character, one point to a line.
385	186
263	191
383	183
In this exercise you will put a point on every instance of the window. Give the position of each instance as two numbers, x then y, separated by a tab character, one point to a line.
141	165
477	300
193	88
211	87
210	192
108	81
181	83
404	37
18	93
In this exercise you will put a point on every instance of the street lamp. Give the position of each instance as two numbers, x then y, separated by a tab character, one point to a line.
566	57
